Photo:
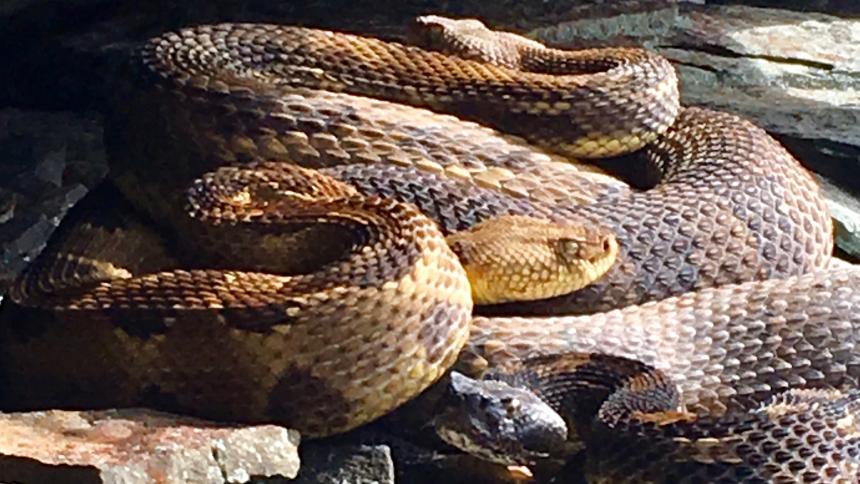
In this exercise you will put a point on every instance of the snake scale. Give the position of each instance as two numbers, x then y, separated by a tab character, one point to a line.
275	136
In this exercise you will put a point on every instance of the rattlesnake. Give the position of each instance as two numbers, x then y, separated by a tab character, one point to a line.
226	342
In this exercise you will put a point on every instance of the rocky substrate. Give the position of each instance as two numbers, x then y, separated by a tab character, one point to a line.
139	446
794	71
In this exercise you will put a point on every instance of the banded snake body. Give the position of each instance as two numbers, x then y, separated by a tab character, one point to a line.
275	137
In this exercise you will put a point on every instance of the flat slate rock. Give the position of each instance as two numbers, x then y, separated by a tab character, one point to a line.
139	446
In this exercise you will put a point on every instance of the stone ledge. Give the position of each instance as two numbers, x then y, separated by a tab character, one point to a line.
139	446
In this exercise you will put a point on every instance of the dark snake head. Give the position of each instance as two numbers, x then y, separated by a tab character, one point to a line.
495	421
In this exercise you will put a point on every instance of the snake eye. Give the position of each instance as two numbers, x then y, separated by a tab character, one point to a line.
511	405
568	248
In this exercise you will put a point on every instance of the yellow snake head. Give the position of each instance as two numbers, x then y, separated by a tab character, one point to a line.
518	258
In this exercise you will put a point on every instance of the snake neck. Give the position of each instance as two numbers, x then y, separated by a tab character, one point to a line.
585	388
624	414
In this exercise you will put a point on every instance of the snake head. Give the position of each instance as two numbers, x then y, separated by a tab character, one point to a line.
500	423
518	258
449	35
469	38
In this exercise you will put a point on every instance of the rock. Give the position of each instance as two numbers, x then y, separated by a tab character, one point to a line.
365	464
50	160
793	73
13	7
796	74
839	7
139	446
846	213
379	453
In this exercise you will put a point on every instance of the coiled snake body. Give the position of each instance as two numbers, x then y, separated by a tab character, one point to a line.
197	318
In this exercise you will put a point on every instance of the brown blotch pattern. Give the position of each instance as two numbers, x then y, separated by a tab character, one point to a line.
295	396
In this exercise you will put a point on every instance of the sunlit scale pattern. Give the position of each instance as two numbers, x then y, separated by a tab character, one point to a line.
725	347
800	436
733	206
732	351
323	352
635	82
318	129
624	416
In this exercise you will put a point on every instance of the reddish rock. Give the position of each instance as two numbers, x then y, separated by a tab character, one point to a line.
139	446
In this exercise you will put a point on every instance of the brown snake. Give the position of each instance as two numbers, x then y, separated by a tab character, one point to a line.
732	206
